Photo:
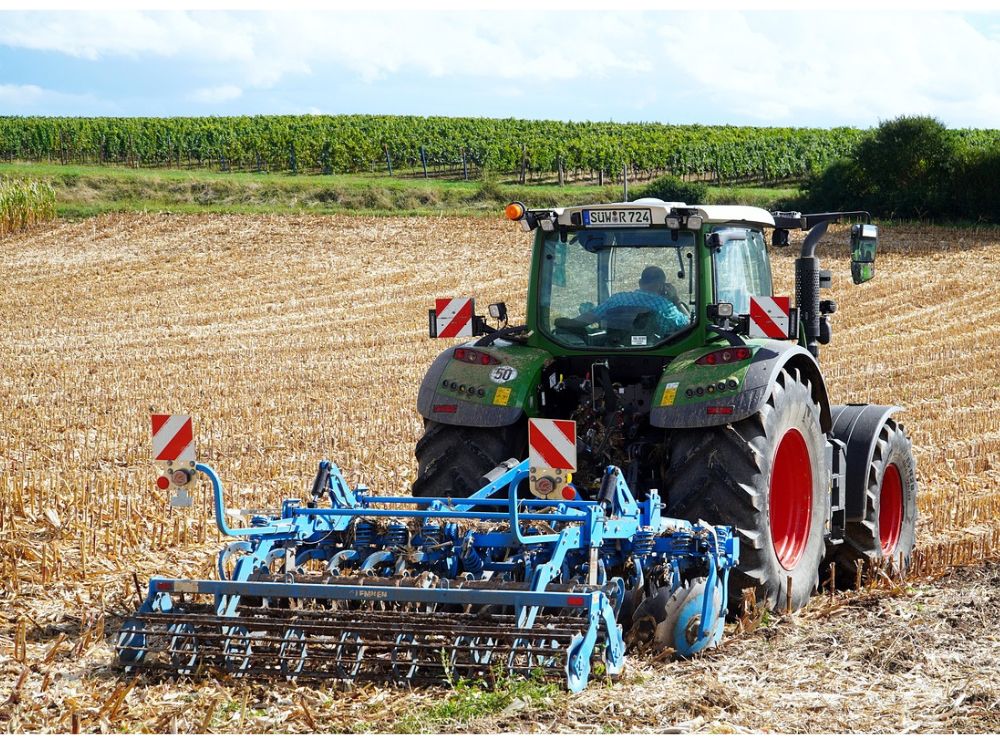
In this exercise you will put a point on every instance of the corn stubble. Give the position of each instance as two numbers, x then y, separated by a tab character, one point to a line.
290	339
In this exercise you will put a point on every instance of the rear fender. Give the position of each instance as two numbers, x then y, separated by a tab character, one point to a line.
492	395
754	379
858	426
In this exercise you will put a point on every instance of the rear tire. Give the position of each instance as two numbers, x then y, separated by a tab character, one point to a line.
888	527
764	475
452	459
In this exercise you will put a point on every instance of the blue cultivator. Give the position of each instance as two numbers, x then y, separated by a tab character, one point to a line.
351	586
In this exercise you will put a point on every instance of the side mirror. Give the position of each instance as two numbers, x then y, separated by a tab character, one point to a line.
779	237
864	241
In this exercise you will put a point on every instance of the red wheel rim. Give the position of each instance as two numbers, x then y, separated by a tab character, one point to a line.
890	510
791	498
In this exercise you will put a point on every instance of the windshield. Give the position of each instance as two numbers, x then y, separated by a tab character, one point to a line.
617	288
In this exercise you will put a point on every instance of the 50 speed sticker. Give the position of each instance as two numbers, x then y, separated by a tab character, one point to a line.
503	374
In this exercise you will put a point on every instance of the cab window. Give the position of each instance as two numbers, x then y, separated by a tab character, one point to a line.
617	288
742	268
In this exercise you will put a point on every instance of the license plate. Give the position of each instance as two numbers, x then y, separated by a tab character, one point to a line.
617	217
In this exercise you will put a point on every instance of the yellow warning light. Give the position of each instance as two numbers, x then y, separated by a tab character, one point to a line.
514	211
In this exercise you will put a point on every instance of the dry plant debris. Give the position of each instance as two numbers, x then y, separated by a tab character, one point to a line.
292	339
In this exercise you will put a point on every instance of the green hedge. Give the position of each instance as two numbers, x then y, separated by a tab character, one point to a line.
669	188
913	167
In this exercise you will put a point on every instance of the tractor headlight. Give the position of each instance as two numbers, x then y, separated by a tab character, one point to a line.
694	222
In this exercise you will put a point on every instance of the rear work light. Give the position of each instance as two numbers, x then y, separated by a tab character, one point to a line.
476	358
725	356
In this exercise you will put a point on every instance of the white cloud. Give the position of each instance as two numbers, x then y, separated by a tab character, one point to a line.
830	64
17	97
91	35
775	68
266	47
31	99
212	94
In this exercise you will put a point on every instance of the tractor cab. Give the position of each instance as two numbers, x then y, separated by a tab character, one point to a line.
639	277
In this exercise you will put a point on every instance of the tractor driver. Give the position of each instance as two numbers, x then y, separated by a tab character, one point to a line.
654	294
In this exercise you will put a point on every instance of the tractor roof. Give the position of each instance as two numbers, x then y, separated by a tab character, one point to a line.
725	214
658	212
717	214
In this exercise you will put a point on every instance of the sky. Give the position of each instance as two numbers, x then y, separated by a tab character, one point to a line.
740	67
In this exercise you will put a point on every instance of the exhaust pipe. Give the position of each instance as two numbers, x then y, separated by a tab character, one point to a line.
807	285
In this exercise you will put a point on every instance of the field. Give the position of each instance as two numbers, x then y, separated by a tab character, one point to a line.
294	338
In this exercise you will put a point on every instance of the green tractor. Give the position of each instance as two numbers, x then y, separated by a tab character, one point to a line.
655	327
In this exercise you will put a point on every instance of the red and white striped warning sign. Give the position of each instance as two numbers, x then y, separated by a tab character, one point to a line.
552	444
454	316
173	438
769	317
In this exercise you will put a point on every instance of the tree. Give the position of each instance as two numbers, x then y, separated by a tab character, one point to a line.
907	166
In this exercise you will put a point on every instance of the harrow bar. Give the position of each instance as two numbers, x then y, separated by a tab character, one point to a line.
346	645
